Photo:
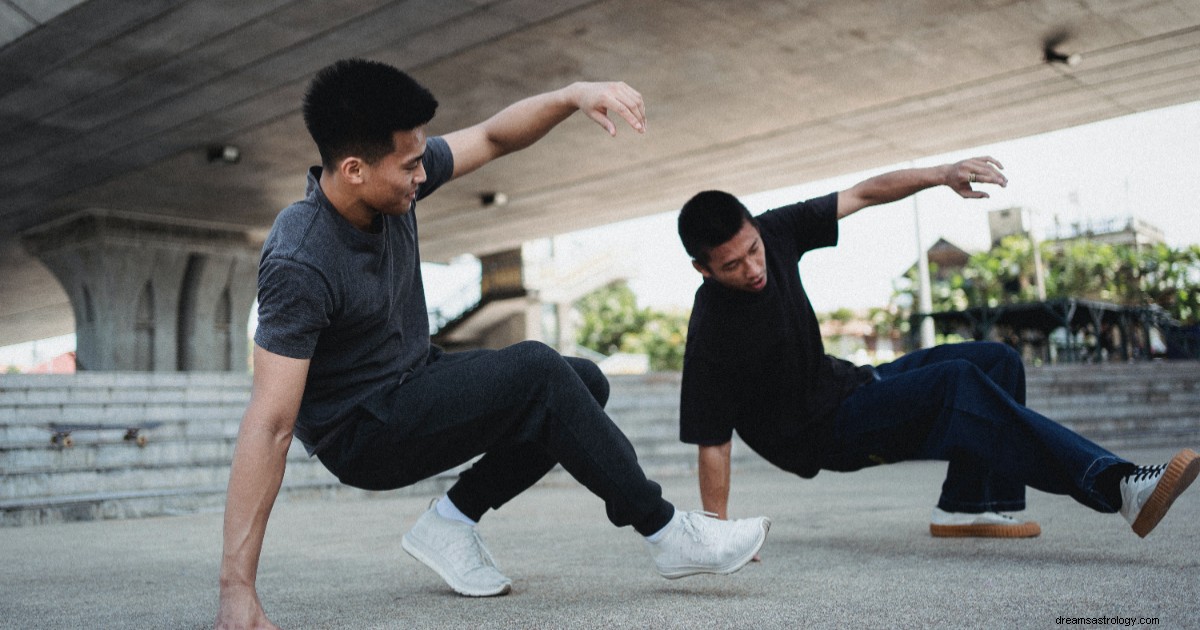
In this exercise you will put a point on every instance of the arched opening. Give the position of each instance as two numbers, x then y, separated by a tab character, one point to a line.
222	321
143	330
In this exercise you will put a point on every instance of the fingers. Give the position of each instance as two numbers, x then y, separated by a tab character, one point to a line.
977	170
602	120
984	170
615	98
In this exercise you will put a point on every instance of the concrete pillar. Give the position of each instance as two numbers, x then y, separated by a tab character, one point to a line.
502	275
152	294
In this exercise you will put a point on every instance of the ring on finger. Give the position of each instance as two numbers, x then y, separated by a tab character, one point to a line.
971	178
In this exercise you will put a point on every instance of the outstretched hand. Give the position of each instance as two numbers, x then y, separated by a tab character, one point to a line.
977	170
598	100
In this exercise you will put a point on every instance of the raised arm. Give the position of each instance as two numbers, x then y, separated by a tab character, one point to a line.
254	480
527	121
897	185
714	479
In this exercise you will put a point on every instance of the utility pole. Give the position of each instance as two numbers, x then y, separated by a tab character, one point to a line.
1039	272
924	291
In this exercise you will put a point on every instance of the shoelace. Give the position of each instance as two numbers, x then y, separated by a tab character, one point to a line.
471	548
691	524
1146	472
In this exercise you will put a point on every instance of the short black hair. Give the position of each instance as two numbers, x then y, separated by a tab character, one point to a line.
709	219
354	106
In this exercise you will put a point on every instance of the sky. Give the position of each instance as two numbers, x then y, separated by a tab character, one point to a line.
1145	165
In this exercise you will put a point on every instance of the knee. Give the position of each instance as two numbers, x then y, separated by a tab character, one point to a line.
961	370
592	377
1005	356
538	361
536	354
1000	352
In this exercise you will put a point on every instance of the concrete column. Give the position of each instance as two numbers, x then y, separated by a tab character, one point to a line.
152	294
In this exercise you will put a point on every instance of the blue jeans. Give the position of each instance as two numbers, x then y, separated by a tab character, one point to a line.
965	404
525	408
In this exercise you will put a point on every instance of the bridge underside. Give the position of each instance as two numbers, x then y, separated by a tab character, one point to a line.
113	105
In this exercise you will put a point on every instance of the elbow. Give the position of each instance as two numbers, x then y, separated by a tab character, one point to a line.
271	425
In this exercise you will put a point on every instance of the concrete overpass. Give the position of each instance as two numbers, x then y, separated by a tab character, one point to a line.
113	107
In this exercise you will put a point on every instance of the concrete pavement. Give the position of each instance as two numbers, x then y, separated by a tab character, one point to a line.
845	550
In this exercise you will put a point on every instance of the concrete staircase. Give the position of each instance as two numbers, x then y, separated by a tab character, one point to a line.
184	466
1122	406
646	408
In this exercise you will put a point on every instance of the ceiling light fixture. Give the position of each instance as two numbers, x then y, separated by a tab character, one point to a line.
490	199
1053	56
225	153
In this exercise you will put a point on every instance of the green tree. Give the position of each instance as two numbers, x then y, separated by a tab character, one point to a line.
608	314
1170	278
612	322
1085	269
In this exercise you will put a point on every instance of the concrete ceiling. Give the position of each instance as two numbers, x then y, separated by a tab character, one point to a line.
112	103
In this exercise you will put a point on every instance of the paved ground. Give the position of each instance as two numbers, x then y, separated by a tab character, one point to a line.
847	550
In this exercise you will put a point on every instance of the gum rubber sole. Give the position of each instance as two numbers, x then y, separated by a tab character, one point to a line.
1180	473
1021	530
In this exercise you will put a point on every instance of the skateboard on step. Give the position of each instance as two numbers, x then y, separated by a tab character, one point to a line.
60	432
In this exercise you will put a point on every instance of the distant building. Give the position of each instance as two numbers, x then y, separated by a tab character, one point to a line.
947	258
61	364
858	341
1006	222
1114	231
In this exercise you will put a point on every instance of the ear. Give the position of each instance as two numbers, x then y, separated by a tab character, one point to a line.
703	269
352	170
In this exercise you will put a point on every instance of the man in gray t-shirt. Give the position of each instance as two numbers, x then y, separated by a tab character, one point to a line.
342	358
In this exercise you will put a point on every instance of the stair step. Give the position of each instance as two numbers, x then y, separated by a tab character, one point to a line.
26	485
184	466
166	502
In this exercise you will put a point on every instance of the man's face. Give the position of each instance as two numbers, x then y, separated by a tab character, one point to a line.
739	263
390	184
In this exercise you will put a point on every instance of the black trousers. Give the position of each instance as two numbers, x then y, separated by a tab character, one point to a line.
525	408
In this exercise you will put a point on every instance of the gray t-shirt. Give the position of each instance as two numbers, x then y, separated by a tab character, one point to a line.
353	302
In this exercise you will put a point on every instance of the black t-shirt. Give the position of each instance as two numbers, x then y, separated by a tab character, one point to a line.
755	361
351	301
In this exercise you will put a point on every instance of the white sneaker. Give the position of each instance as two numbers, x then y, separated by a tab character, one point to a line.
455	551
697	542
945	524
1148	492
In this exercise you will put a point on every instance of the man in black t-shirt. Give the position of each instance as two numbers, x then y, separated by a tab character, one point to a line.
342	358
755	363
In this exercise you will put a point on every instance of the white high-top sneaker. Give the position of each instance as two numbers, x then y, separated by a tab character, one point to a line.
1148	492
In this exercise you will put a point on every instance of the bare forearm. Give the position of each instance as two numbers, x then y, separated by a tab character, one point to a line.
525	122
529	120
254	481
897	185
714	479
